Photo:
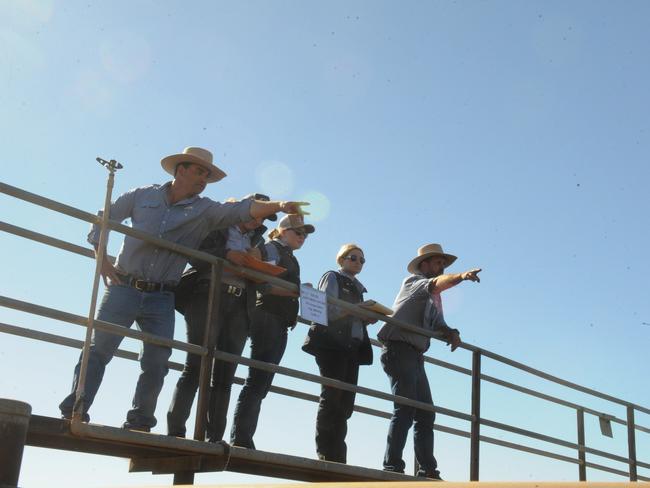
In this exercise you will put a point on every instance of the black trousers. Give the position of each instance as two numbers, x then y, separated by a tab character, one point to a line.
335	406
268	342
233	331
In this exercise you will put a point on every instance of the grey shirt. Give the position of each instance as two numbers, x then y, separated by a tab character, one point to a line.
186	222
416	306
330	285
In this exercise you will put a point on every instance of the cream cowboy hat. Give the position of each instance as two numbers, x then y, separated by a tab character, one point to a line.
196	155
426	252
291	221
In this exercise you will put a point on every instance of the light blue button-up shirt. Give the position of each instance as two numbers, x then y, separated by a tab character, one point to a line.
186	222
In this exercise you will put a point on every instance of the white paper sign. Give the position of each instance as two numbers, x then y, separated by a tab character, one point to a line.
313	304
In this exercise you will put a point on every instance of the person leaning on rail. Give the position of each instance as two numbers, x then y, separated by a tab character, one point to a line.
418	303
276	311
339	349
140	286
236	304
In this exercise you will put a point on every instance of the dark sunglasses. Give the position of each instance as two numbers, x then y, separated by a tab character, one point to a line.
299	233
354	258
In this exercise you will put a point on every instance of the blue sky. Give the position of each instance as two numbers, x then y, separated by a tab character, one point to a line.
513	133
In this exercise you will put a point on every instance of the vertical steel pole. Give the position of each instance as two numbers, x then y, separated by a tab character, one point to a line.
209	341
78	408
582	467
14	421
476	417
631	442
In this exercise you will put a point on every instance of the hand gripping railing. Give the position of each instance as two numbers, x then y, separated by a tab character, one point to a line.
207	351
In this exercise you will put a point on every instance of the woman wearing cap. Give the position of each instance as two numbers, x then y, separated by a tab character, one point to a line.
276	311
339	349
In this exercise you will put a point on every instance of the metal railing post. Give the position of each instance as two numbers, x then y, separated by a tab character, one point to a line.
476	417
582	457
209	341
78	408
631	442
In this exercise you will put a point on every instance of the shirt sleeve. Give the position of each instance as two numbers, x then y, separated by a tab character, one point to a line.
272	253
120	210
222	215
419	285
330	285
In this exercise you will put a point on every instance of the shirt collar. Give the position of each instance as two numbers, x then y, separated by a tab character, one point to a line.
164	188
354	279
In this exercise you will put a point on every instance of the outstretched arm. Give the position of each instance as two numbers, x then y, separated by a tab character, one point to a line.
446	281
264	209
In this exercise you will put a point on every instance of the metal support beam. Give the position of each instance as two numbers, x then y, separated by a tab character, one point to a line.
475	446
14	422
582	457
631	443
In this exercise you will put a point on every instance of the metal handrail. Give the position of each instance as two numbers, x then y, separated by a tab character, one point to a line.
65	341
353	309
87	252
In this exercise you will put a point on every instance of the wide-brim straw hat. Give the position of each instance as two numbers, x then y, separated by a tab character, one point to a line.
428	251
196	155
291	221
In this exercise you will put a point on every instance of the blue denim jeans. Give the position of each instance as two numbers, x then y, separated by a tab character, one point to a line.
154	313
404	366
268	342
233	324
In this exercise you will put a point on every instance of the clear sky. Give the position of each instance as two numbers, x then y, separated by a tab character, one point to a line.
513	133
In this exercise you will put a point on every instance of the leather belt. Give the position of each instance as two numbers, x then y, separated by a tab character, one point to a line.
149	286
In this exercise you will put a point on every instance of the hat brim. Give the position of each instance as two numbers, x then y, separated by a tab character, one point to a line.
170	162
413	265
308	228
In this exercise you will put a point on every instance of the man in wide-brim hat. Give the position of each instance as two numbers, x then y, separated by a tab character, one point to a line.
139	287
419	304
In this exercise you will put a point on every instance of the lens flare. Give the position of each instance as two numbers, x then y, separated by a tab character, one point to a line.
126	57
93	92
275	179
319	208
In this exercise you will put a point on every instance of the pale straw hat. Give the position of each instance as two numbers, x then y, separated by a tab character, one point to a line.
196	155
426	252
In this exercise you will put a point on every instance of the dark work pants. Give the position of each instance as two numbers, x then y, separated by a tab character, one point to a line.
404	366
268	342
233	325
335	406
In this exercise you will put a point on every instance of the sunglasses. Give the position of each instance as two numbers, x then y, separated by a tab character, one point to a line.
299	233
354	258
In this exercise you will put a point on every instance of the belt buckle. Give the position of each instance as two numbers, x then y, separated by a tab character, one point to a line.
139	285
234	291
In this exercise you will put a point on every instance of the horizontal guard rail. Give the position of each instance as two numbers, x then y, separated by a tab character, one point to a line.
91	218
353	309
87	252
99	324
65	341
